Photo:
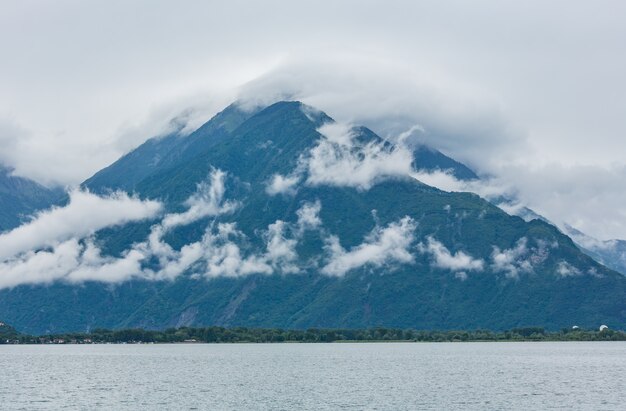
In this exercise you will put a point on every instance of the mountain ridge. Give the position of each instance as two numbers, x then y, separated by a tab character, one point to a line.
377	251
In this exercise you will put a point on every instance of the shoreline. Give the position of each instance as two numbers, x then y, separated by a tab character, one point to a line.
316	343
221	335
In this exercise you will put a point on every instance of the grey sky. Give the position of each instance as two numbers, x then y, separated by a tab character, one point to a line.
532	92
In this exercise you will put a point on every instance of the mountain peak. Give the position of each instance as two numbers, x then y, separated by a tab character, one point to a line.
279	216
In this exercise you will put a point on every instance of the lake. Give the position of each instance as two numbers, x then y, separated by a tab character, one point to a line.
377	376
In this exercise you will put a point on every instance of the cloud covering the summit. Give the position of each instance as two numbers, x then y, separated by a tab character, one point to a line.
516	90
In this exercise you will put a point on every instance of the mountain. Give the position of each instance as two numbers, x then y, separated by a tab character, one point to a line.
611	253
287	219
21	197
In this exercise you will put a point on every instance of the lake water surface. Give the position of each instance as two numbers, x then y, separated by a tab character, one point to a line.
381	376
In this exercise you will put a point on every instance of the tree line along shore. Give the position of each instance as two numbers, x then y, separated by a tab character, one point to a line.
314	335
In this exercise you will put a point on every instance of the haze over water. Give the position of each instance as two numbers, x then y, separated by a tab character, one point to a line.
394	376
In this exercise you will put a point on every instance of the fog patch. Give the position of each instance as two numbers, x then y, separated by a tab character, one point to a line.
280	184
308	216
565	269
217	254
206	201
85	214
512	261
444	259
383	246
340	159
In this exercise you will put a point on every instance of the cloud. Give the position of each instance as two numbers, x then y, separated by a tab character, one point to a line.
223	257
489	188
85	214
281	251
444	259
90	265
341	157
308	216
340	160
219	254
512	261
391	98
461	275
71	261
42	267
587	197
565	269
383	246
69	253
74	257
282	184
206	201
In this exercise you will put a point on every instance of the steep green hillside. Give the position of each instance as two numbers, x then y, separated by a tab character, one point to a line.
387	252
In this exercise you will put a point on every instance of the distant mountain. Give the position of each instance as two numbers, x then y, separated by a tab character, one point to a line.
611	253
21	197
317	225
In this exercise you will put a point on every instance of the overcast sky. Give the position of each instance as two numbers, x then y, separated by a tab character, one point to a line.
531	92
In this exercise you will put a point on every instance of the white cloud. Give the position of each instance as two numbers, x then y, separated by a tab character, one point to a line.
565	269
342	134
444	259
207	201
217	253
512	261
70	255
220	255
487	187
308	216
589	198
85	214
383	246
391	98
223	257
41	267
90	265
281	251
282	184
70	261
339	159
